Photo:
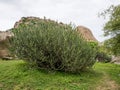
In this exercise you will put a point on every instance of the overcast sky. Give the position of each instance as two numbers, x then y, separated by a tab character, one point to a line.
79	12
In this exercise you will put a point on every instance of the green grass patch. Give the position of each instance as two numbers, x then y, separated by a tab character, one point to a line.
113	70
18	75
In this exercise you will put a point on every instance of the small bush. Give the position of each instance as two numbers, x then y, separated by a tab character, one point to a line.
103	57
52	45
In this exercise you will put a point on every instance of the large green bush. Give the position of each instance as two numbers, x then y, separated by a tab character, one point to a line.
52	45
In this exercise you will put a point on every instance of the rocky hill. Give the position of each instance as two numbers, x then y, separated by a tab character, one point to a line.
85	32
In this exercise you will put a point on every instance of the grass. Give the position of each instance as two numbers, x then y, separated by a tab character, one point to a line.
113	70
17	75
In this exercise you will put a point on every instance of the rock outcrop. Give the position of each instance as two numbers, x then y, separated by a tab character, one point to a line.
32	21
26	20
86	33
4	36
116	59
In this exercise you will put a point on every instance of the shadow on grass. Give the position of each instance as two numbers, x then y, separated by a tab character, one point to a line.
31	67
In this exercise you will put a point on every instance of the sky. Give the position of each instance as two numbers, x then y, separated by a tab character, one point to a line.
79	12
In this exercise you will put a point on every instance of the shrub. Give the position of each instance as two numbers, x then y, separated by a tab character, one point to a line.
52	45
103	57
103	54
93	44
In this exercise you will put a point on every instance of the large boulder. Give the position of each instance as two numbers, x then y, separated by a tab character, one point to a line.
86	33
116	59
4	36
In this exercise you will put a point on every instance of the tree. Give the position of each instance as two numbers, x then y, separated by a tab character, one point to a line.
112	28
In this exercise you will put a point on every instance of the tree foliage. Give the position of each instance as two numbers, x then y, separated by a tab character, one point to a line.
112	28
